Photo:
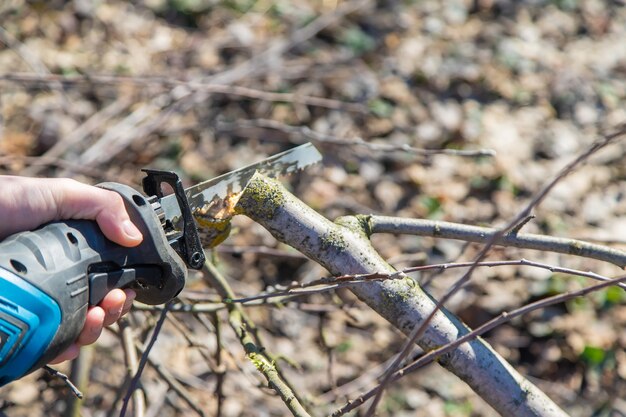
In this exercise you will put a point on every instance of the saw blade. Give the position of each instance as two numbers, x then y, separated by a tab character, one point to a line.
218	188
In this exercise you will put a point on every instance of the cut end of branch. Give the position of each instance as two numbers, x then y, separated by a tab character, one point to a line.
214	219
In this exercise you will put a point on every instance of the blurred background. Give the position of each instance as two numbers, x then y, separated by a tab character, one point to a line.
97	90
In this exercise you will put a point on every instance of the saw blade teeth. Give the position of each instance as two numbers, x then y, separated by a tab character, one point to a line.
285	163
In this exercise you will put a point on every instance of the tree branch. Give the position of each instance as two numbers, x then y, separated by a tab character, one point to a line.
302	132
343	248
195	86
447	230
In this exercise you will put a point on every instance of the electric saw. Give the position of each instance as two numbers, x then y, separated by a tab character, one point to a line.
50	276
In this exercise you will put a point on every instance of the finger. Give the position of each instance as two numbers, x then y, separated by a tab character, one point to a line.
130	297
113	304
93	326
69	354
80	201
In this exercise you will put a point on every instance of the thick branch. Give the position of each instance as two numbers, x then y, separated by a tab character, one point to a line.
344	248
447	230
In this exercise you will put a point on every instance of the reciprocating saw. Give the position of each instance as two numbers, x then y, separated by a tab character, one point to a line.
50	276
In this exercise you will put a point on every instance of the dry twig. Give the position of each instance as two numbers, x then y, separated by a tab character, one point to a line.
132	364
306	132
169	83
333	283
65	380
144	360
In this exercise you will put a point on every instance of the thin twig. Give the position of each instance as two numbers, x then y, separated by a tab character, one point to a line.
332	283
220	370
520	262
144	360
183	308
515	222
192	86
132	364
491	324
171	381
211	308
81	369
521	224
65	380
304	131
260	250
324	284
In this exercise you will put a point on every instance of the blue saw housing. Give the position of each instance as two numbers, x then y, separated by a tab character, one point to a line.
26	329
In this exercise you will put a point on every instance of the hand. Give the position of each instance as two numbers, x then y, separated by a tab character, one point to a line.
31	202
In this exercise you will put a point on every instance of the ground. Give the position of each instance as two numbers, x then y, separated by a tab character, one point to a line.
203	87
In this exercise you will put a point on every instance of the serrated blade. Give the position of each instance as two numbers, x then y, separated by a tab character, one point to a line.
218	188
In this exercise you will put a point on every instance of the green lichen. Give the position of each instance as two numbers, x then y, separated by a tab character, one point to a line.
410	281
261	198
261	363
365	220
576	248
359	224
397	292
333	240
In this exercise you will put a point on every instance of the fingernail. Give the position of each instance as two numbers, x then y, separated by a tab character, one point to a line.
131	230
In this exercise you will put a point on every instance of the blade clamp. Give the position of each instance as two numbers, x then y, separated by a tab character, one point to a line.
187	244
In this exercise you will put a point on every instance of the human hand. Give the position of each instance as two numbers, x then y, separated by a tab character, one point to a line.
31	202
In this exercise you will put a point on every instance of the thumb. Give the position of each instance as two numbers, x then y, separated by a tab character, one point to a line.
80	201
